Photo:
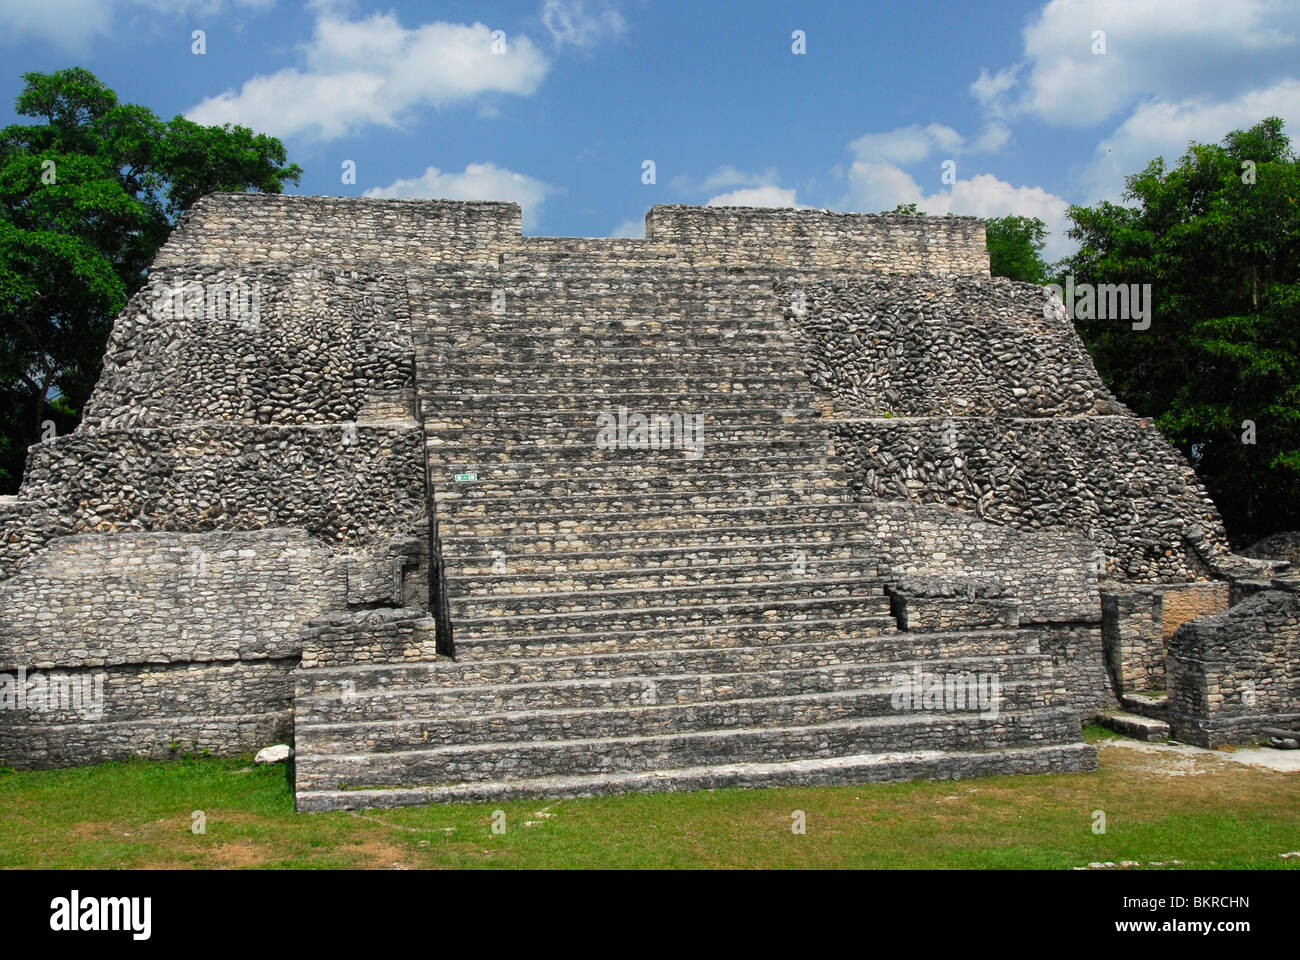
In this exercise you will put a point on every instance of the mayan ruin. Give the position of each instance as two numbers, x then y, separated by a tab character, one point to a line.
463	514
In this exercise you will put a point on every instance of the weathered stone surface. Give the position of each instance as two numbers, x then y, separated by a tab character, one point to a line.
341	481
1236	672
278	753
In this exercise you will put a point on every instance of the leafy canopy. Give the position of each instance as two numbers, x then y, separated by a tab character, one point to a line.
87	196
1218	238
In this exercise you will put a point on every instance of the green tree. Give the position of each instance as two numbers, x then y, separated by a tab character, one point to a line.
1218	239
87	196
1016	248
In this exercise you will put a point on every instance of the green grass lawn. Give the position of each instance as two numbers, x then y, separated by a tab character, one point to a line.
138	815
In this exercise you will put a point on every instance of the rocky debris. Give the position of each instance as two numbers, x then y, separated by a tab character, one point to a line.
275	754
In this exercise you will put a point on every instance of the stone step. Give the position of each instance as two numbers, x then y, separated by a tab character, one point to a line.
473	548
443	407
452	503
802	604
570	290
455	424
436	386
795	460
361	692
763	451
688	435
512	759
642	719
658	329
612	563
498	662
505	584
684	336
470	607
503	522
696	484
867	636
352	696
540	365
897	765
652	287
1133	725
709	388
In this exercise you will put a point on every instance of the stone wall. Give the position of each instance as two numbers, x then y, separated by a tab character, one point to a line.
1112	480
821	240
977	395
1131	628
189	639
267	346
1053	577
1183	602
1236	672
227	229
250	460
888	346
93	601
355	489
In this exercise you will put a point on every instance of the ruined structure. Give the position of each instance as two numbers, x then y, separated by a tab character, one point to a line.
769	497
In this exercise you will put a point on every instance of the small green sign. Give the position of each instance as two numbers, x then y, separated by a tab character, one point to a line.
466	477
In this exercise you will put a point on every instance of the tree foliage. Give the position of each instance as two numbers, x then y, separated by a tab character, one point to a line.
1218	238
1016	248
87	196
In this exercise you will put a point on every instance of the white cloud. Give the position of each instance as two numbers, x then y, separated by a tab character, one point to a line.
990	88
908	145
767	196
478	181
1157	128
630	229
577	23
67	23
73	24
729	176
374	71
875	187
1172	49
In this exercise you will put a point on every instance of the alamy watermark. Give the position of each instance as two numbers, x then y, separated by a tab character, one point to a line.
1107	301
656	431
81	694
216	300
946	693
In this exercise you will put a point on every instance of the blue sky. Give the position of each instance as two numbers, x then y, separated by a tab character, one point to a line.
1017	96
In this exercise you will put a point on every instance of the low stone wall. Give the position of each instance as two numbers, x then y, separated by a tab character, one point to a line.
821	240
939	604
266	346
1131	621
1079	666
1236	672
370	636
95	600
889	346
1053	577
146	644
151	710
1183	602
226	229
1113	480
221	477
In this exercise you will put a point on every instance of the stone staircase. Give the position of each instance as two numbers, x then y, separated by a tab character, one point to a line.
637	619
